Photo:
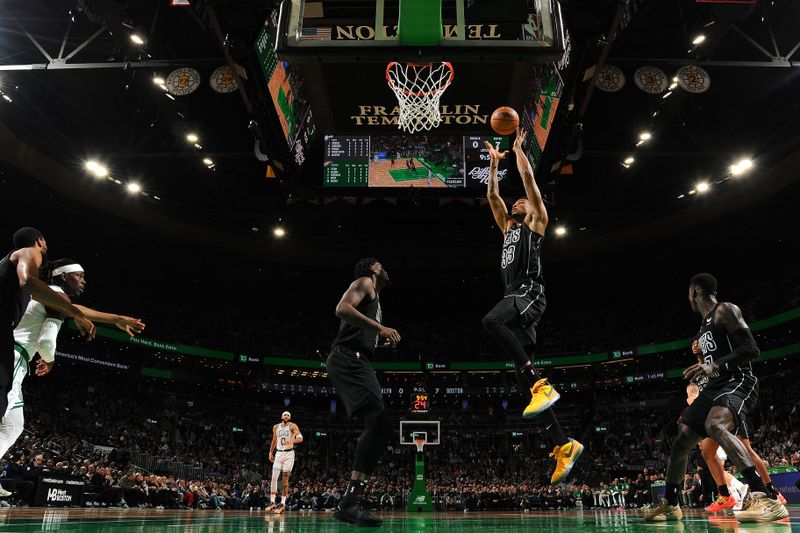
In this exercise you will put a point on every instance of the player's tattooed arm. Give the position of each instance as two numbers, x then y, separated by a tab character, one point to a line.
537	221
729	317
499	209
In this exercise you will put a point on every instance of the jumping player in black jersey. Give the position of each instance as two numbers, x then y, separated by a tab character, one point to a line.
19	281
729	392
349	369
512	322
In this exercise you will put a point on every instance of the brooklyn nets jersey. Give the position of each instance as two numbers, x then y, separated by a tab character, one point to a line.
521	261
716	343
357	339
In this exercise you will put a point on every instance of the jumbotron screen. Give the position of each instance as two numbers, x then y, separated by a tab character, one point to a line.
423	161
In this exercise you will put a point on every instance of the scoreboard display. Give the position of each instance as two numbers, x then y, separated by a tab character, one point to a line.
425	161
420	402
347	160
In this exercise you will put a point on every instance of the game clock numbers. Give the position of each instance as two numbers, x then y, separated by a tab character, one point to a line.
420	402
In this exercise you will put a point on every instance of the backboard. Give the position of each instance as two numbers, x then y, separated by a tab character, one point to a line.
472	30
412	429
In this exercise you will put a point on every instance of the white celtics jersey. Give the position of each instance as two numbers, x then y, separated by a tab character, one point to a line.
27	332
283	433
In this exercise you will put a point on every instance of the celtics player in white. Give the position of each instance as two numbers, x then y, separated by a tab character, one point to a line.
281	453
36	333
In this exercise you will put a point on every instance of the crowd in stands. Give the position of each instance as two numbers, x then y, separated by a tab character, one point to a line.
102	436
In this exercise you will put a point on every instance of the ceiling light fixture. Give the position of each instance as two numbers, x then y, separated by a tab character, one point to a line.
279	232
137	39
192	137
133	187
561	231
699	39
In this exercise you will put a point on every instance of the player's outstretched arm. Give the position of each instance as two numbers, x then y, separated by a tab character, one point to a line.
28	263
538	219
346	310
131	326
499	209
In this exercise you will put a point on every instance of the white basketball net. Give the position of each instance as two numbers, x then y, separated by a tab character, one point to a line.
418	88
420	443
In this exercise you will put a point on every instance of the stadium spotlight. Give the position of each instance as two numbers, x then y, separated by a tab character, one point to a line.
703	186
629	160
133	187
699	39
279	232
96	168
192	137
158	80
207	161
561	231
741	166
645	136
137	39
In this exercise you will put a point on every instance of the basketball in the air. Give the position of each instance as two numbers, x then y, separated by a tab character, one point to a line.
505	120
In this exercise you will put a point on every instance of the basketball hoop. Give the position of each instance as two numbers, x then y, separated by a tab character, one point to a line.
418	87
420	442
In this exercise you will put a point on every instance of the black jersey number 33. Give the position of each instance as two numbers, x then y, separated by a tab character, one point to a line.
510	247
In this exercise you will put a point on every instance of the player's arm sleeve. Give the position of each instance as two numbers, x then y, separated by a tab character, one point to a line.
744	349
47	339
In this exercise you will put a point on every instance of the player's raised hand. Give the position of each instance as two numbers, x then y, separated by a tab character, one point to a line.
389	335
519	141
494	154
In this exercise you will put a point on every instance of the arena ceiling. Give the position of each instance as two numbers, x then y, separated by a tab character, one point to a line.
90	95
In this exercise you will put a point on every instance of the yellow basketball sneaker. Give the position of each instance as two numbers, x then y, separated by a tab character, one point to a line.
543	397
566	457
663	512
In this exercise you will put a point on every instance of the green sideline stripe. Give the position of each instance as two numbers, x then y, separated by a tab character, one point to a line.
664	347
398	365
572	360
683	344
117	335
481	365
291	362
156	373
775	320
775	353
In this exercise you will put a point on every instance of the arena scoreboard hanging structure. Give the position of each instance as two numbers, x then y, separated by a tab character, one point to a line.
423	161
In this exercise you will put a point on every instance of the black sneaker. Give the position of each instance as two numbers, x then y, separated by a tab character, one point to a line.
353	511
